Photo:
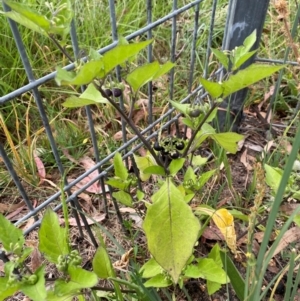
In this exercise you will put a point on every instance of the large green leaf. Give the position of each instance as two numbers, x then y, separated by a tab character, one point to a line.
102	265
36	291
247	77
79	279
171	229
53	240
10	236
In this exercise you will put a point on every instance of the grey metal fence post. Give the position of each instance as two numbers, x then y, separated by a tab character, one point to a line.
243	18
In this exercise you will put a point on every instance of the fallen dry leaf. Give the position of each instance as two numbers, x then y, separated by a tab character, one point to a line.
244	160
289	236
90	221
124	261
87	163
36	259
40	167
7	208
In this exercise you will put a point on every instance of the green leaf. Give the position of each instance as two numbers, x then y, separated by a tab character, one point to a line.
212	287
236	279
10	236
176	165
63	77
247	77
25	253
243	59
79	279
193	271
205	132
158	281
249	41
238	214
198	160
155	170
92	93
51	296
142	163
120	170
212	271
150	269
214	89
273	176
140	195
215	255
146	73
117	183
24	21
189	197
187	121
102	265
228	141
221	56
37	291
120	54
181	107
31	15
171	244
53	240
241	54
123	197
76	102
189	175
203	179
7	290
61	19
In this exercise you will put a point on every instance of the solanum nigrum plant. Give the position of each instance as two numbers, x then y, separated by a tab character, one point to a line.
171	227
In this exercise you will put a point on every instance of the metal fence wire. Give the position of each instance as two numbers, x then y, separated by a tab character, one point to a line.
241	19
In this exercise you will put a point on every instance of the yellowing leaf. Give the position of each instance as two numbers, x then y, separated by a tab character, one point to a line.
224	221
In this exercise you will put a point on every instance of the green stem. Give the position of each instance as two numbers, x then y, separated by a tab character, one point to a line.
133	127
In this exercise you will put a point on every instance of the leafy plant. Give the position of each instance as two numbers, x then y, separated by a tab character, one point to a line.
170	225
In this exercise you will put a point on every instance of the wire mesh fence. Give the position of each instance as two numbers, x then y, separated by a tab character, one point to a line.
191	34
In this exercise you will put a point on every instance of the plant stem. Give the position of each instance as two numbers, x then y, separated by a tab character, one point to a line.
60	48
215	105
133	127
